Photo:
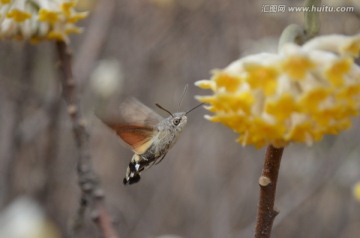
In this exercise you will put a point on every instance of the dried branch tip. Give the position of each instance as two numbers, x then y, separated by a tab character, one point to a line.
264	181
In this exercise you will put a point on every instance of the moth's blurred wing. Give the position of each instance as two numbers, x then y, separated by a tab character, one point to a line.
134	112
135	123
138	138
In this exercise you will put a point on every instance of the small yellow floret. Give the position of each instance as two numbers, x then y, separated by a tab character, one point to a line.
228	82
48	16
353	48
297	66
66	7
283	107
206	84
18	16
262	77
73	30
77	17
337	71
56	35
310	101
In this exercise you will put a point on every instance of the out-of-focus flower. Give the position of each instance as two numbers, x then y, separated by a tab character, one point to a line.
107	78
356	191
25	219
38	20
299	94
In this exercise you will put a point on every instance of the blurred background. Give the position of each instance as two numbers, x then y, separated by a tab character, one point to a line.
208	184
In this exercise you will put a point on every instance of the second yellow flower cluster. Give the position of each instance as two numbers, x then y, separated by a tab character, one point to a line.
38	20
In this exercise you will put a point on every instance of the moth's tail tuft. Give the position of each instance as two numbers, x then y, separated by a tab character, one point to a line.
132	179
132	174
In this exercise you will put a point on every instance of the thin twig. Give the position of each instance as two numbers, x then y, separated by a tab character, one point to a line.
91	193
312	19
266	212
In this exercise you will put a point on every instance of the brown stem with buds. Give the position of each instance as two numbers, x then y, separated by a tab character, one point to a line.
92	195
266	212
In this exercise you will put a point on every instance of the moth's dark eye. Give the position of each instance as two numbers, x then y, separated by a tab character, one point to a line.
176	121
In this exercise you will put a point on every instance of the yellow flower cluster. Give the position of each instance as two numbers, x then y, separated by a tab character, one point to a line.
299	94
37	20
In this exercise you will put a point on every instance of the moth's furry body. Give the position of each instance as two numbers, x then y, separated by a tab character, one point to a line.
167	134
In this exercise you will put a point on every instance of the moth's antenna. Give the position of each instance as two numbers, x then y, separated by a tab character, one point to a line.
194	108
182	96
164	109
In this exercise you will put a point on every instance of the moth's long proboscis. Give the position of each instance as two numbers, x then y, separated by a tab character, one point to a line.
192	109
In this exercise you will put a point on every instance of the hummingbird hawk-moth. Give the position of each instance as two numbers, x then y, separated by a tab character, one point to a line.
149	135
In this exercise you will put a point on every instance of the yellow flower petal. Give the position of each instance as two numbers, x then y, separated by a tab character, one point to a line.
56	35
336	72
262	77
297	66
309	101
18	16
257	141
48	16
73	30
229	82
348	92
300	132
283	107
232	120
206	84
353	48
66	7
77	17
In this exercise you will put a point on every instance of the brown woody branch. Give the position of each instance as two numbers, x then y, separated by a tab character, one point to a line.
92	195
266	212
